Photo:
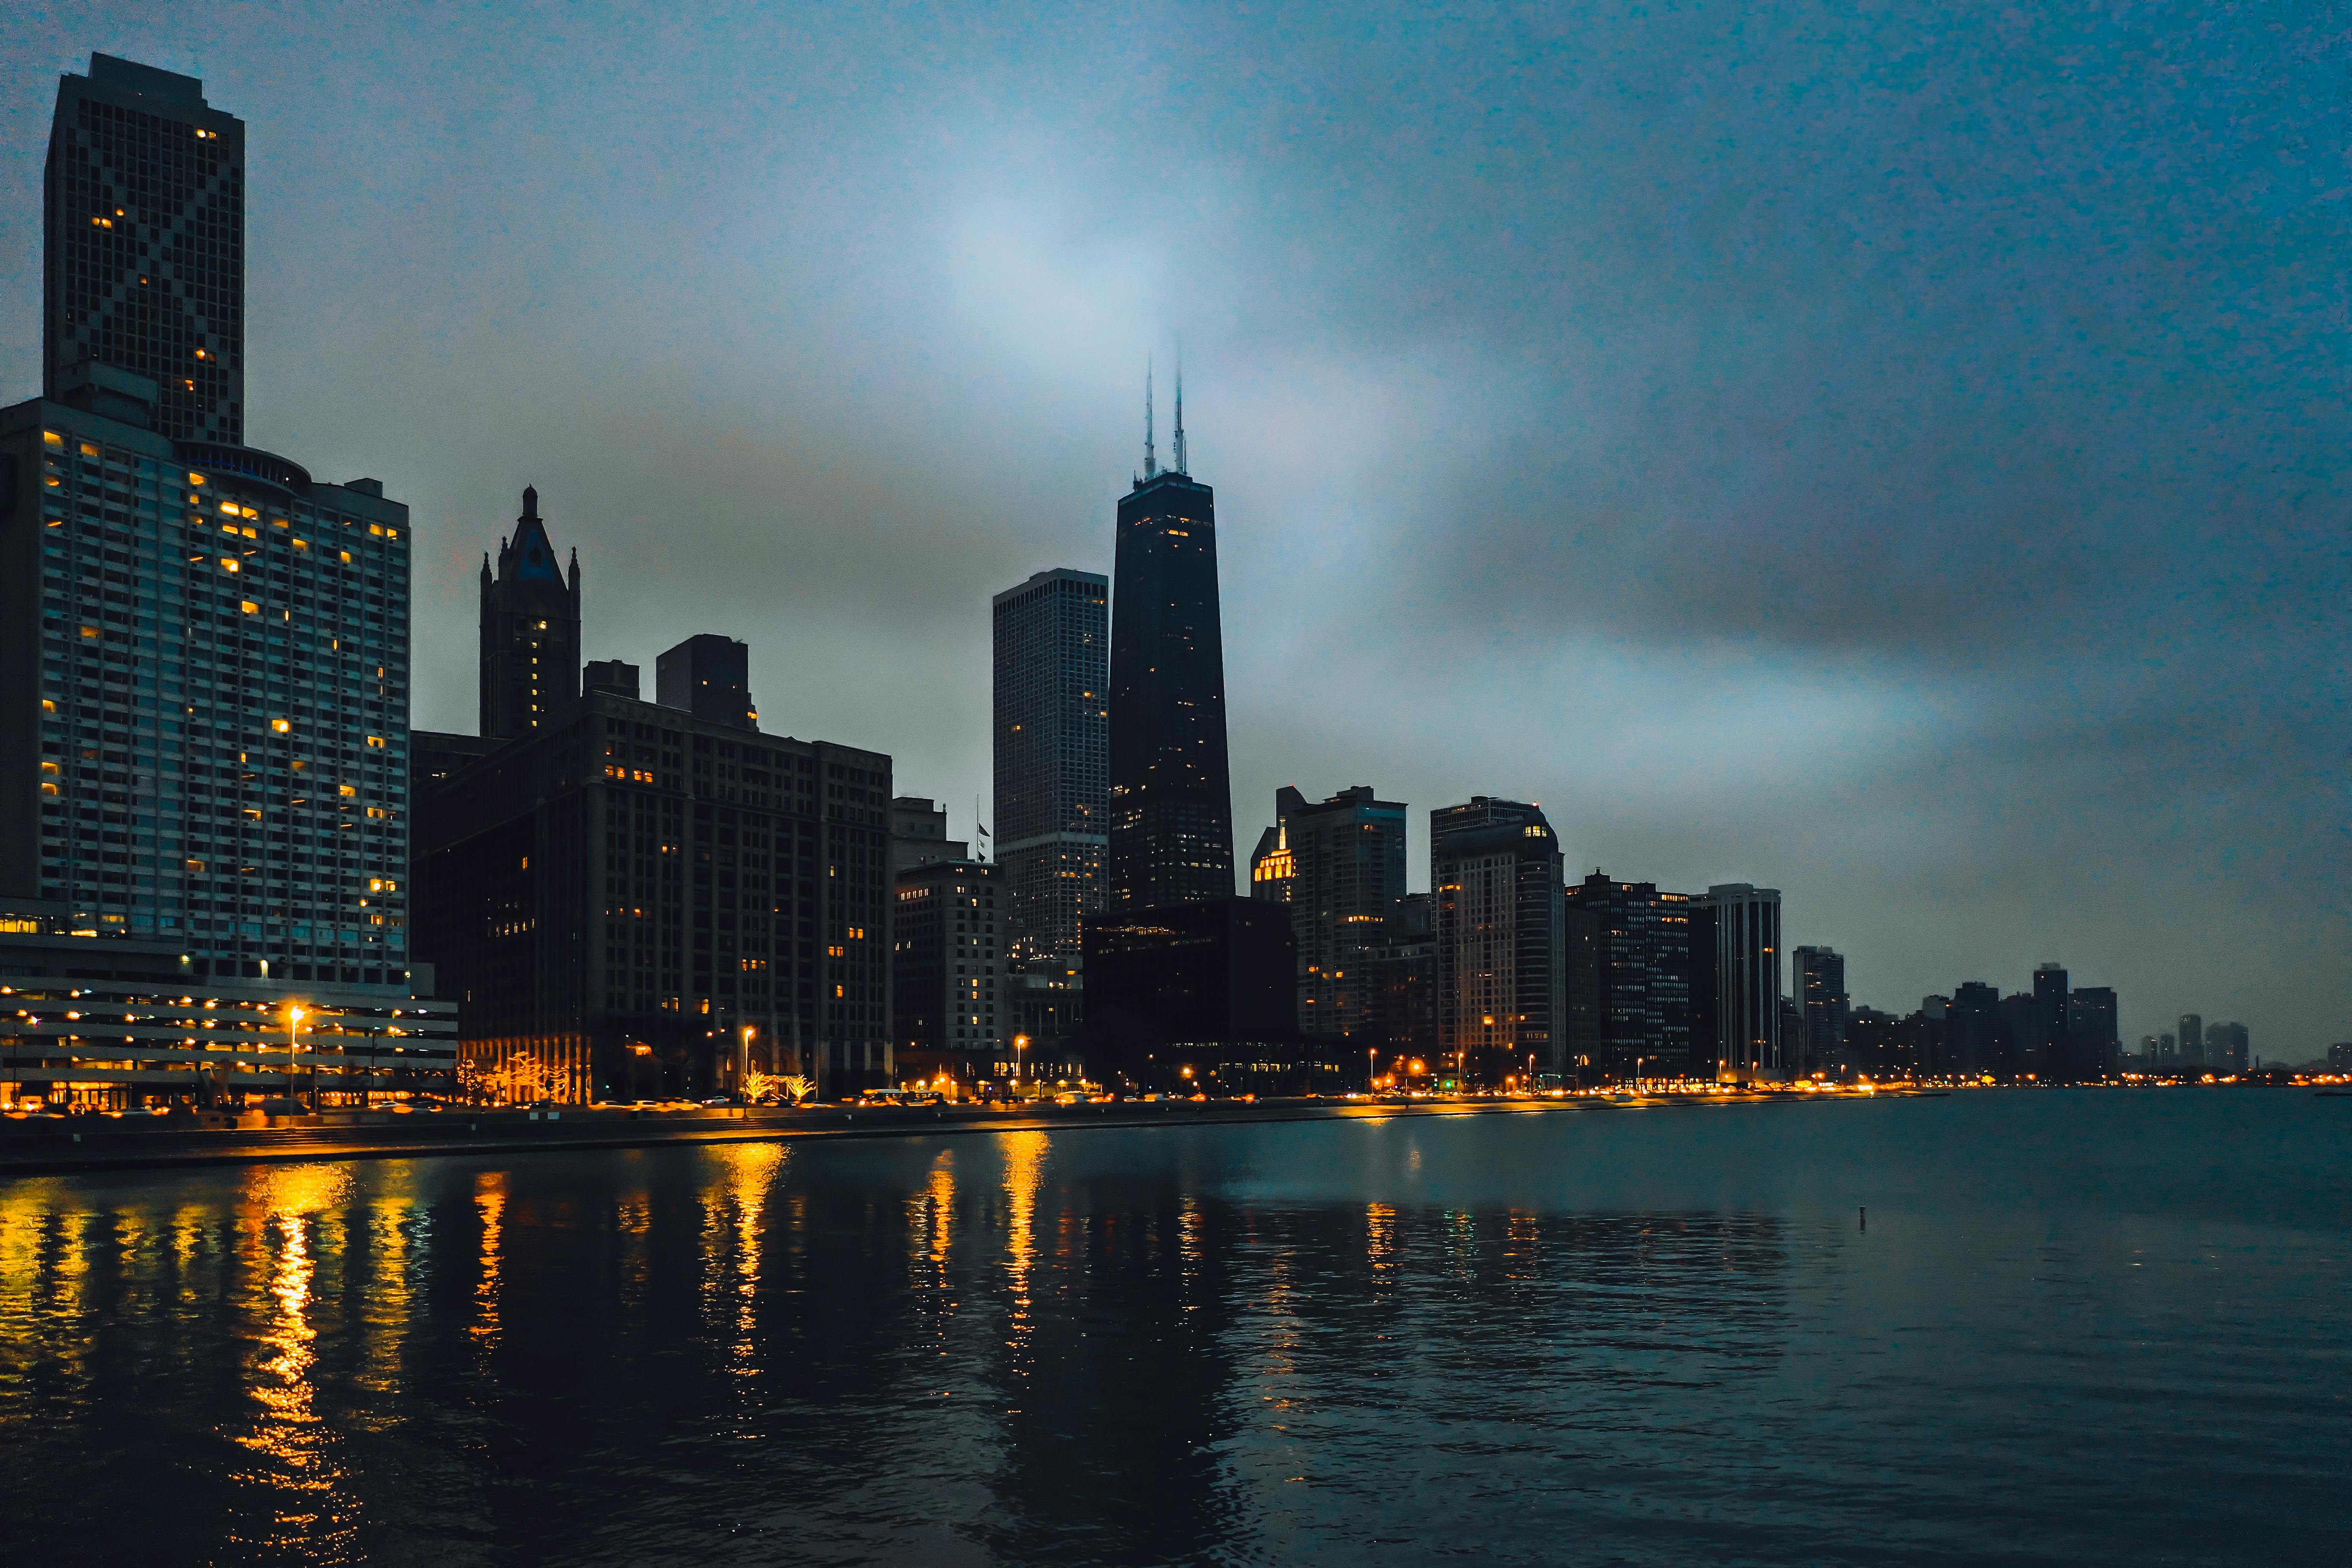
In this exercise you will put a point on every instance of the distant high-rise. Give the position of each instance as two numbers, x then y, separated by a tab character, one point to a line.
144	265
2192	1040
2226	1047
1637	1020
2050	1048
1817	978
1171	812
1746	990
2094	1042
1974	1038
530	630
1502	955
1052	644
1341	872
709	677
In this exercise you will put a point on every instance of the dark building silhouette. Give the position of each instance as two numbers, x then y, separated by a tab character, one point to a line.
617	896
1973	1035
1199	994
1337	866
2093	1032
530	630
1638	1020
1817	981
143	267
946	951
1172	827
1502	955
2227	1048
1052	732
710	677
612	676
2192	1040
918	834
2049	1051
1403	966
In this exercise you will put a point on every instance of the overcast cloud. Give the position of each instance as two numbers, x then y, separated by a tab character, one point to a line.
1892	452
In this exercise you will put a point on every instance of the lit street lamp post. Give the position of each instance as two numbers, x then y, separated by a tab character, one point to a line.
1020	1044
294	1050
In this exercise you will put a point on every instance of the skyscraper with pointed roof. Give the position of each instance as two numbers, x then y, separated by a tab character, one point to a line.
1171	810
530	630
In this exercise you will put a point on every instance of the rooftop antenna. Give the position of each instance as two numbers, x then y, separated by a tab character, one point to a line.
1150	459
1179	409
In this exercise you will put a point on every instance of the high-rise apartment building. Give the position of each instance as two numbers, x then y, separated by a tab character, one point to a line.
1638	1021
2192	1040
1502	983
1817	977
1052	731
530	630
2048	1049
1745	990
1171	825
1338	865
203	692
1973	1037
144	269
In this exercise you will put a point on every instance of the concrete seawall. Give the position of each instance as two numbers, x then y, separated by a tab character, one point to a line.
93	1144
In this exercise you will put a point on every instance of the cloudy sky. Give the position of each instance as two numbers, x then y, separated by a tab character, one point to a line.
1893	453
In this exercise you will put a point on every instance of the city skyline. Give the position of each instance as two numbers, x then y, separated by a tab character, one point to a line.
1848	799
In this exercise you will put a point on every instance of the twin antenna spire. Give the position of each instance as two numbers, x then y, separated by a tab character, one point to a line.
1151	452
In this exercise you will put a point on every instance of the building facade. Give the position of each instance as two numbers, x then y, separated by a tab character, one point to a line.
1637	1023
1498	912
947	954
1339	867
635	903
1052	734
1745	993
1817	979
1172	824
144	269
96	1019
531	631
1200	996
709	677
203	694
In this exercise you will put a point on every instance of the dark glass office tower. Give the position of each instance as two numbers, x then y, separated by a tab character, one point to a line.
143	267
1171	823
1051	647
530	630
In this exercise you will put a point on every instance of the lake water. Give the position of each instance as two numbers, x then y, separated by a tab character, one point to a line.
2077	1327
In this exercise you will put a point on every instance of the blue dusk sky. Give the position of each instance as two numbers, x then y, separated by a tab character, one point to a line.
1893	453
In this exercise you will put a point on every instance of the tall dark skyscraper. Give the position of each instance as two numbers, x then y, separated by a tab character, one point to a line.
143	267
1638	1022
1502	952
1817	976
531	631
1052	646
1171	809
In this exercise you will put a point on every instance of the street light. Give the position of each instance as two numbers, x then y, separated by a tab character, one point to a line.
294	1017
1020	1044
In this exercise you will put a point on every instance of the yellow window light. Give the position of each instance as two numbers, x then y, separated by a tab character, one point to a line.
249	607
281	725
195	478
90	449
229	564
